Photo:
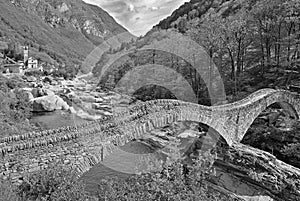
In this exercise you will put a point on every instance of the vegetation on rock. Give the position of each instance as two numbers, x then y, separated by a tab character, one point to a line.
54	183
14	109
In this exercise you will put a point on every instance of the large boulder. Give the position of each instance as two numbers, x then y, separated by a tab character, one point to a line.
49	103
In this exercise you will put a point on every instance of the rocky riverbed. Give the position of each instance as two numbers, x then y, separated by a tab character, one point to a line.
77	100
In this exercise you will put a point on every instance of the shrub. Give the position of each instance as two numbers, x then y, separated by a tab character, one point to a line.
20	109
15	82
56	183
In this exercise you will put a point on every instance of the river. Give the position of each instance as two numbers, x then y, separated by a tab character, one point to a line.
52	120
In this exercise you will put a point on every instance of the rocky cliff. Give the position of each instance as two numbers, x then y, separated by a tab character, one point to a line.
88	19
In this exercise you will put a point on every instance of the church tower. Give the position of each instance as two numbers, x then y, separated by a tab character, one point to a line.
26	53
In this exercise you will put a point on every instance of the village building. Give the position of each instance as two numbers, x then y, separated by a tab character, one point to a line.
32	63
27	64
12	68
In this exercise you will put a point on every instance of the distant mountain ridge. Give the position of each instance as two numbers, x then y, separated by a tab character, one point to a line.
64	30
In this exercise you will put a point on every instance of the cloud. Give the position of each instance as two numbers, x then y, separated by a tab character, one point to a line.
138	16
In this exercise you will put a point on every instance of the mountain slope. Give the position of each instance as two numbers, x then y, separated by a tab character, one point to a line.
185	9
65	30
197	9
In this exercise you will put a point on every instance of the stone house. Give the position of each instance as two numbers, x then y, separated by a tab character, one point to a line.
32	63
12	68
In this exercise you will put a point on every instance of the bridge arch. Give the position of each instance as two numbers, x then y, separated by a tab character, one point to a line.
196	113
289	104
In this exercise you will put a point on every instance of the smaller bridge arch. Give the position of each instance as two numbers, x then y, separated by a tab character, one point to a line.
164	117
288	102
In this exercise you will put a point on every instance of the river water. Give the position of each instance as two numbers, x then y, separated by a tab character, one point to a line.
52	120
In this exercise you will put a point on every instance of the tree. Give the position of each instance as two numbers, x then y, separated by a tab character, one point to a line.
206	32
237	37
221	36
277	27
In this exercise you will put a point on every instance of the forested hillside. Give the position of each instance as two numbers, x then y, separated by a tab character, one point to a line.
253	43
244	35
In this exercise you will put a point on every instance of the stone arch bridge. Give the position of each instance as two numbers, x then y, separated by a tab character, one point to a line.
84	146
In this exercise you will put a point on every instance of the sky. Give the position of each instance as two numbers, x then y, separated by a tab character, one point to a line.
138	16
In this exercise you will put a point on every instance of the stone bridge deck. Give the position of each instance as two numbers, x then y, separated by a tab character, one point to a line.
86	145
